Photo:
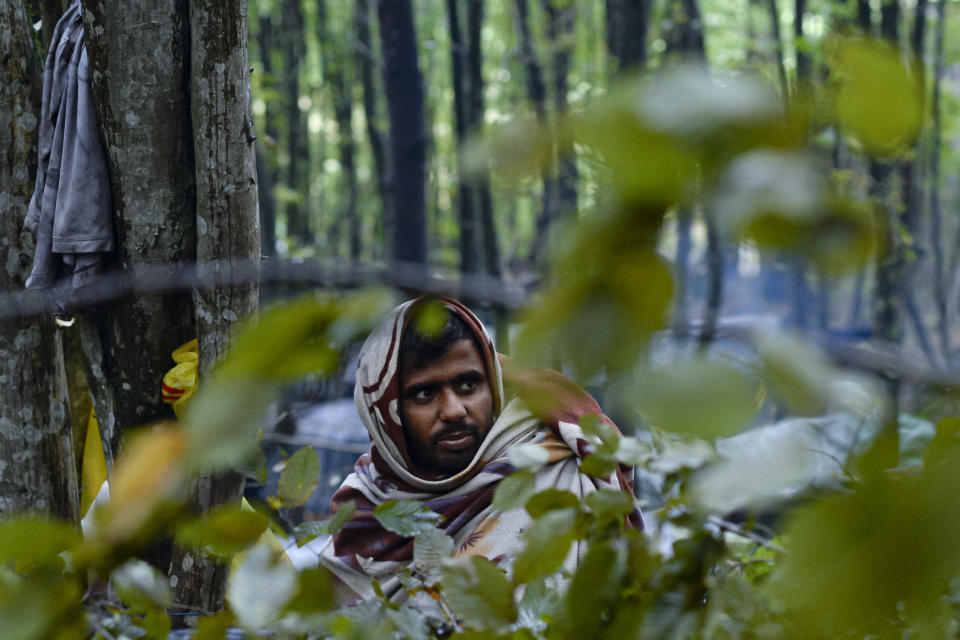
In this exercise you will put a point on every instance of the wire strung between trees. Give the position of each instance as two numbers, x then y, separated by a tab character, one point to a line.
111	286
883	359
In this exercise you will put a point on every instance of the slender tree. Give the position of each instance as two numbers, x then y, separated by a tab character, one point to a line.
366	58
266	152
404	89
298	168
37	468
628	22
560	32
469	261
476	113
936	216
337	73
537	93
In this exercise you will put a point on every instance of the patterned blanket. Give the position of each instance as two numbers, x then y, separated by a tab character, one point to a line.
364	550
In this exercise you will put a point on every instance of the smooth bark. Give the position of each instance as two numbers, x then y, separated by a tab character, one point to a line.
404	88
365	58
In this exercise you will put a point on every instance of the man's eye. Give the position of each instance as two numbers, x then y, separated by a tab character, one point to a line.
468	386
423	396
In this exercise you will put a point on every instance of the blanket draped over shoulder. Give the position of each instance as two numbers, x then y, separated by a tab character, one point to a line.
364	550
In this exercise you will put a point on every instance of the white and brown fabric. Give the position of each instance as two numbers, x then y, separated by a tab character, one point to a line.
364	550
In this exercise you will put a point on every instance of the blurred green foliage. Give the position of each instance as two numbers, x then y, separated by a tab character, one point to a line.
871	559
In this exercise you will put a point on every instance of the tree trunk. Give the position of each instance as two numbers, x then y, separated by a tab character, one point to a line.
294	50
365	57
337	75
266	153
560	31
146	127
804	64
476	112
469	262
940	278
228	242
778	48
404	89
627	24
47	12
37	467
537	92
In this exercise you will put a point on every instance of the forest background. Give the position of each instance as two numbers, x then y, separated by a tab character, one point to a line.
802	181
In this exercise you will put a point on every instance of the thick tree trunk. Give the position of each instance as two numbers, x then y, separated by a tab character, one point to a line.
146	126
365	57
228	241
404	89
627	24
37	467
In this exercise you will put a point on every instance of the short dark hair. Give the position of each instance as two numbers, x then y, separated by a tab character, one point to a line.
418	347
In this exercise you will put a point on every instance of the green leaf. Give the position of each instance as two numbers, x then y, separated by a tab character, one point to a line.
307	531
597	465
479	593
430	548
797	371
214	627
40	606
31	541
341	517
513	491
223	531
610	503
299	477
315	593
634	452
280	344
697	396
877	96
593	591
550	500
156	624
537	604
141	586
545	545
260	587
597	430
405	517
528	457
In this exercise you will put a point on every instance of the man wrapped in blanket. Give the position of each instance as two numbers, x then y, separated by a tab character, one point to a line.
441	415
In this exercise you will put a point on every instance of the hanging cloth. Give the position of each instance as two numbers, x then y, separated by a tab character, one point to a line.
70	213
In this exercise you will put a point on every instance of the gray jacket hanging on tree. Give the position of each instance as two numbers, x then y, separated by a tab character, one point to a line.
71	209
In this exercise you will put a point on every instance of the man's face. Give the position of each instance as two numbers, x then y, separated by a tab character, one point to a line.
446	408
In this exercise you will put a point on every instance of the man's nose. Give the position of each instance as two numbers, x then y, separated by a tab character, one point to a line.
451	406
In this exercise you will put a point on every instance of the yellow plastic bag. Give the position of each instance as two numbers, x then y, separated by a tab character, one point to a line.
180	382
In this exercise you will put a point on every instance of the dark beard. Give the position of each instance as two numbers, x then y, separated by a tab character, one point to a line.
424	455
